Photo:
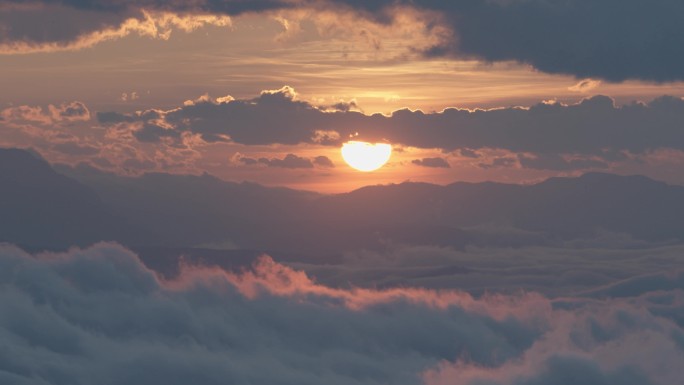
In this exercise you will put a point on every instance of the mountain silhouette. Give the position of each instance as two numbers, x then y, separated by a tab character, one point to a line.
42	208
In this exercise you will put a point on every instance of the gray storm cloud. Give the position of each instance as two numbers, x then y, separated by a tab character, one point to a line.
614	40
98	315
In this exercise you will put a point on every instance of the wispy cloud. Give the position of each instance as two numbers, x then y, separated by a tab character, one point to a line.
152	24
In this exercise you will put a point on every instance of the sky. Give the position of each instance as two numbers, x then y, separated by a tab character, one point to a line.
511	91
181	200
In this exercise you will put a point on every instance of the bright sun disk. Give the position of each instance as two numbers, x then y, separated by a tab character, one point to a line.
365	156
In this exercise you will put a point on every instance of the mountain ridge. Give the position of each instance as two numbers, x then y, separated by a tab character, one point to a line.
188	210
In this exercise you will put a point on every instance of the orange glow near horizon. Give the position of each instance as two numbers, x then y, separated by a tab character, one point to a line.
366	157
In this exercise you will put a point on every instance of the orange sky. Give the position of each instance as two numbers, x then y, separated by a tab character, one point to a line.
168	60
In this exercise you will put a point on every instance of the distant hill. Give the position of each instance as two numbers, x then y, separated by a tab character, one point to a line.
560	207
40	208
43	208
188	210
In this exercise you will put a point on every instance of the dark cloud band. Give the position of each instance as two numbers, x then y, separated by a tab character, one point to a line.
613	40
593	127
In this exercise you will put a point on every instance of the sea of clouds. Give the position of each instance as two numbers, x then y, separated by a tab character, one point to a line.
99	316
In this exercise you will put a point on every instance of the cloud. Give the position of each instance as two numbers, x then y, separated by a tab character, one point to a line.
585	85
247	161
554	369
32	114
468	153
55	114
135	165
73	148
228	7
498	162
129	96
153	132
342	106
73	111
591	134
289	161
69	26
323	161
636	286
569	269
559	163
551	136
99	315
273	117
579	38
431	162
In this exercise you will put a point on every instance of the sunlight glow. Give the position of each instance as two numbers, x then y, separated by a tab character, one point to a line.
365	156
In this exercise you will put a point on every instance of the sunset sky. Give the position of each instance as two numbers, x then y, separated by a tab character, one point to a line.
512	91
342	192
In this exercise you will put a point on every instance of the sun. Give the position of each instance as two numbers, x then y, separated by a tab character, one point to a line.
365	156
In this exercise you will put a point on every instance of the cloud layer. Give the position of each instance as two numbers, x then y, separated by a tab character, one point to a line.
261	138
608	265
56	26
593	126
580	38
431	162
277	131
99	316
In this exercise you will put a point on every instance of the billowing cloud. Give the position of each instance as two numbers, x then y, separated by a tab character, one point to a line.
247	160
289	161
54	114
154	132
436	162
593	126
591	134
20	114
273	117
323	161
73	111
99	315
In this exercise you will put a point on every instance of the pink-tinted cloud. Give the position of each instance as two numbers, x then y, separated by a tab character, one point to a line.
100	314
55	114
